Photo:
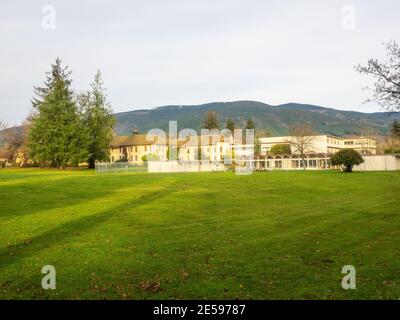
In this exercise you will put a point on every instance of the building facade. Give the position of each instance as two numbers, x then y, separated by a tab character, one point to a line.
321	144
137	148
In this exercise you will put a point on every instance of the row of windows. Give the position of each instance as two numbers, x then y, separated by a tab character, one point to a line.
311	163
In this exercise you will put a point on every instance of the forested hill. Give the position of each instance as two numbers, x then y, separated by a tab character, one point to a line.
276	119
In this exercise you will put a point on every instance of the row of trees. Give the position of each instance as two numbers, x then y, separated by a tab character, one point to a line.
211	122
64	128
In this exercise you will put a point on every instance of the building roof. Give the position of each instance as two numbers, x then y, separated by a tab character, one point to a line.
142	140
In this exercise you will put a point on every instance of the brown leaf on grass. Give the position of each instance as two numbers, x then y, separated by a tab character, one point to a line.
183	273
150	286
388	283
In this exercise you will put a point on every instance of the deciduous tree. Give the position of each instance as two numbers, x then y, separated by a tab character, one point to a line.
346	159
303	137
280	149
386	90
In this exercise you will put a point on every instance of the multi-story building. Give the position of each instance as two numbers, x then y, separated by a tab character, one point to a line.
133	148
214	148
321	144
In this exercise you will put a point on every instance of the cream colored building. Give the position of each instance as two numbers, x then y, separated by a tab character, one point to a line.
321	144
132	149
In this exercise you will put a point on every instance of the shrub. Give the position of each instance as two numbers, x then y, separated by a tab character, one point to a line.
346	159
280	149
150	157
392	150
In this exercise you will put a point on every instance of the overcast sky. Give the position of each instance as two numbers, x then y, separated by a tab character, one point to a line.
154	53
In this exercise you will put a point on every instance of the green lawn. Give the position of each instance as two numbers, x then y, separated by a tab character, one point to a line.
280	235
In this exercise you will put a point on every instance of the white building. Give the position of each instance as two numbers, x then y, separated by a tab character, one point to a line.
321	144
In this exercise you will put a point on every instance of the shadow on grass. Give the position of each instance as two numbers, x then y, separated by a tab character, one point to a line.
28	247
26	199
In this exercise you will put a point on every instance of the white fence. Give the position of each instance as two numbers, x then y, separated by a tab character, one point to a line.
120	167
186	166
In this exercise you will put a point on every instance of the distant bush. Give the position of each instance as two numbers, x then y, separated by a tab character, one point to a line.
346	159
2	164
150	157
392	150
279	149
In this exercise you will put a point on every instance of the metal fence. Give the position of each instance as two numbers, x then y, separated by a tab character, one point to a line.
120	167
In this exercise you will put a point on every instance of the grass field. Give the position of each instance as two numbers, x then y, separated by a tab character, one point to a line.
280	235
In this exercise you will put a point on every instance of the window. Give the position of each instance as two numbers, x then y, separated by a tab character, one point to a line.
278	164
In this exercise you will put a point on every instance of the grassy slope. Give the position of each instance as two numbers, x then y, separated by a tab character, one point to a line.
268	235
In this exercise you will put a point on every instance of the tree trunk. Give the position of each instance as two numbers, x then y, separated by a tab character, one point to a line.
92	164
304	162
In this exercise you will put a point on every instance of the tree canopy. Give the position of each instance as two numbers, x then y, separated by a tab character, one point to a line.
210	121
98	121
230	125
346	159
57	137
280	149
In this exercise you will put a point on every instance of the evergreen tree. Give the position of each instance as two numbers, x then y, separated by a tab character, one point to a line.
211	121
395	129
98	120
230	125
57	137
250	124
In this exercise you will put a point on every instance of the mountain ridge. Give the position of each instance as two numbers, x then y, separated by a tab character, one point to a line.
277	119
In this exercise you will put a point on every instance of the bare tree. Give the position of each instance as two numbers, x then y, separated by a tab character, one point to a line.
386	91
302	140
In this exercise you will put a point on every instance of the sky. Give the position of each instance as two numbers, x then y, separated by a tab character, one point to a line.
153	53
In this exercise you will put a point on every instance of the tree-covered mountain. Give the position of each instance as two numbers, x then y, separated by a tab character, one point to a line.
276	119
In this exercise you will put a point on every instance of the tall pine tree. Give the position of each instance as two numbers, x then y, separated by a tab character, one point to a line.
57	138
99	121
230	125
210	121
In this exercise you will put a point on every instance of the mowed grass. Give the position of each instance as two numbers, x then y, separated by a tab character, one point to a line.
280	235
